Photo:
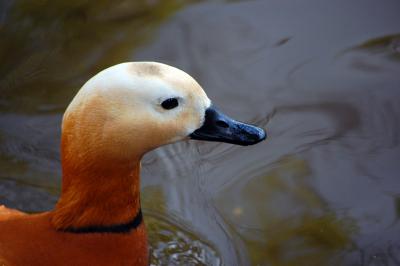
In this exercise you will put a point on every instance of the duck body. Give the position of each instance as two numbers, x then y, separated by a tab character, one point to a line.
99	238
117	116
33	240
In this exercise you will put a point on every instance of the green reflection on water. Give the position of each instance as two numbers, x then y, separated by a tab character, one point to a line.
50	48
387	46
294	225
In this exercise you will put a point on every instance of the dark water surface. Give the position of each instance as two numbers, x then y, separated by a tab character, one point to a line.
323	77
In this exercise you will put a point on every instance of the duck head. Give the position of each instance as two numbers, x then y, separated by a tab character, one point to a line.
131	108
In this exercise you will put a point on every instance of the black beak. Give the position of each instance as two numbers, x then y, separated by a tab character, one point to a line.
221	128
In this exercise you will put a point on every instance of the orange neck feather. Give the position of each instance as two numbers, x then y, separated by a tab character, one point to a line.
96	192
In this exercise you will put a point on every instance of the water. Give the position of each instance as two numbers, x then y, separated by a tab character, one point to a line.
322	77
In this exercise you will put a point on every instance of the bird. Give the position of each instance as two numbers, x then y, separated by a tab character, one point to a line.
116	117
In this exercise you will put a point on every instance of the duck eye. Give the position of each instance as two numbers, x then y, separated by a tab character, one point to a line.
170	103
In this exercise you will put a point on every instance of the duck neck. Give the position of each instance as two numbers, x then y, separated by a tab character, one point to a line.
98	197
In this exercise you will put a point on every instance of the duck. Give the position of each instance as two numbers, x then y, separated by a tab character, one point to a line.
117	116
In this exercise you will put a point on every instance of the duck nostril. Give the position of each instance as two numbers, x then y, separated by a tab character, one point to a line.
221	123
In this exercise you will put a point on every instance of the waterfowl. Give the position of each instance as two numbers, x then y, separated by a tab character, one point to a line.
116	117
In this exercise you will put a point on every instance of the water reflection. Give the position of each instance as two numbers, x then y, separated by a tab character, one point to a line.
389	46
321	77
172	242
49	49
284	220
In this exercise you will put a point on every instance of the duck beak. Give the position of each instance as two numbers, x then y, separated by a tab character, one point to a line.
219	127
